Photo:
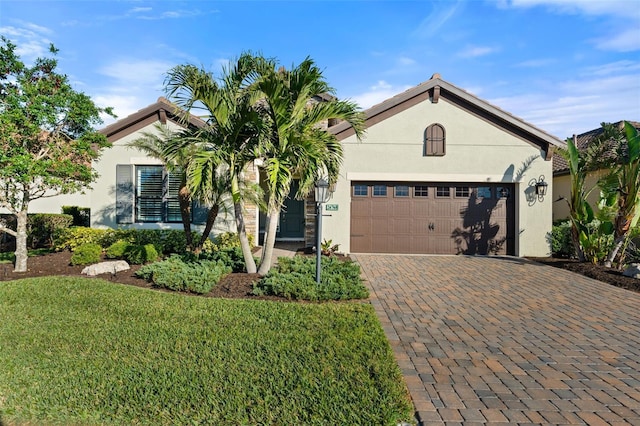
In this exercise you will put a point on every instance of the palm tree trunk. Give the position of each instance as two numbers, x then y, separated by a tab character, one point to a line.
184	198
273	217
249	261
211	218
617	245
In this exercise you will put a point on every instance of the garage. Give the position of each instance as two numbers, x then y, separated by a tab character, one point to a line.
432	218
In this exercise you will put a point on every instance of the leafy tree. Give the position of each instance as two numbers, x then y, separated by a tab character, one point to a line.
297	145
47	141
233	128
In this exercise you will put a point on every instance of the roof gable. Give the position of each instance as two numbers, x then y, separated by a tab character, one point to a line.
436	90
162	110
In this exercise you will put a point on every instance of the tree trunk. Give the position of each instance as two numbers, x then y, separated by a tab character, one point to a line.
211	218
617	244
249	261
21	252
185	212
576	243
269	240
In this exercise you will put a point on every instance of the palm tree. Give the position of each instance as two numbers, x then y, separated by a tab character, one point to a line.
233	126
297	146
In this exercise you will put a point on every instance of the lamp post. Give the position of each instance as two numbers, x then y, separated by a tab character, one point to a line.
322	195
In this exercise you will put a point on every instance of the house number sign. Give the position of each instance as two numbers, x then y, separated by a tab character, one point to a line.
331	207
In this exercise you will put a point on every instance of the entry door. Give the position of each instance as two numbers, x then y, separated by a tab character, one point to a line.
291	224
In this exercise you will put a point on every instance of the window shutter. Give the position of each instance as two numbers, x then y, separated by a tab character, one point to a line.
434	140
124	193
172	202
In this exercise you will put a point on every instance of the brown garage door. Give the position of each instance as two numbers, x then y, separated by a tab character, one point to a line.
435	218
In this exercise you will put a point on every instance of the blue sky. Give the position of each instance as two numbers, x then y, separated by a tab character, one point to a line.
564	66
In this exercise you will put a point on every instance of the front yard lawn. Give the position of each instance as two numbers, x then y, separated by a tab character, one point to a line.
86	351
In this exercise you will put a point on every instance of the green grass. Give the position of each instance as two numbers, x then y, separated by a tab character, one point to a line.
85	351
10	257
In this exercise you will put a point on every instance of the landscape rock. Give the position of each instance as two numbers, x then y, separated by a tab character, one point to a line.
111	267
633	271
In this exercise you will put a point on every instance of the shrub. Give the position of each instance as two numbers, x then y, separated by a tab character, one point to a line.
294	278
560	239
175	241
140	254
81	215
231	257
75	236
175	273
86	253
42	227
229	240
118	249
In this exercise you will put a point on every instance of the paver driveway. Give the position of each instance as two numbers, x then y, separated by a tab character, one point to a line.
490	340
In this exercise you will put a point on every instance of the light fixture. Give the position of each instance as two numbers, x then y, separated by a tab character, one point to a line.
541	188
322	193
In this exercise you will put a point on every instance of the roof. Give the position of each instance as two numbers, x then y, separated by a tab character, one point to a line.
162	110
560	165
436	89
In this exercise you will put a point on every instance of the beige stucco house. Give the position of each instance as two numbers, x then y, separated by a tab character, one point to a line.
442	171
439	171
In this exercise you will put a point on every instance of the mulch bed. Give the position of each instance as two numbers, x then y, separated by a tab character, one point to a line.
233	286
239	286
598	272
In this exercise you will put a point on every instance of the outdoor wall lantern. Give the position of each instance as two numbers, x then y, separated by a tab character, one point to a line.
541	187
322	193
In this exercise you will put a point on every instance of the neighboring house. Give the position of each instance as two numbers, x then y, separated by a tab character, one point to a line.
438	171
562	178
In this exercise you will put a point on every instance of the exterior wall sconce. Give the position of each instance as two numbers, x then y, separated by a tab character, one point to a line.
322	193
540	187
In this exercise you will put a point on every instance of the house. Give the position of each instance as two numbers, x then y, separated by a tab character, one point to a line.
439	171
562	178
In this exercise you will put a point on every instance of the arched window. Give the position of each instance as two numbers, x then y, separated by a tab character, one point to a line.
434	140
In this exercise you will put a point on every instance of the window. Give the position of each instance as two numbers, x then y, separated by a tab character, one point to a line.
379	190
148	193
443	191
401	191
504	192
420	191
484	192
434	140
462	191
360	190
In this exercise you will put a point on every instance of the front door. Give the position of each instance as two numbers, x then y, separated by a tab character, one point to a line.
291	226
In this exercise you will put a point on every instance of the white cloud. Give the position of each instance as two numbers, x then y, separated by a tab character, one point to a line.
140	9
436	19
535	63
626	41
31	40
580	104
377	93
477	51
122	105
129	72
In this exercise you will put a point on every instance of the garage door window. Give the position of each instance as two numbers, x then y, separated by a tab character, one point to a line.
360	190
379	190
420	191
484	192
504	192
401	191
462	191
443	192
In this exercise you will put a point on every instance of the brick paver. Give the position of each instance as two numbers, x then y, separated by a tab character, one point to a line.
505	340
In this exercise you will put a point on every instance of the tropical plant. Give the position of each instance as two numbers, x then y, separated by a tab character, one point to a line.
295	104
623	185
232	132
47	141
